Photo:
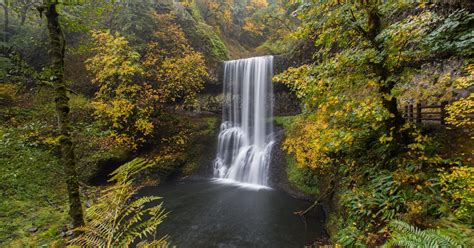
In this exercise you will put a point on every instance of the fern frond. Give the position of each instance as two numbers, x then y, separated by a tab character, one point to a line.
406	235
137	205
88	240
129	169
145	228
161	243
116	221
128	220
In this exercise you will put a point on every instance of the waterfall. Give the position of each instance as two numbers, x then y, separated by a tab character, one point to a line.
246	134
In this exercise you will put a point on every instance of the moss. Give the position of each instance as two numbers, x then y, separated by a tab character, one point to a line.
284	121
273	47
212	123
195	12
203	37
200	147
301	178
30	198
185	156
332	225
216	46
29	162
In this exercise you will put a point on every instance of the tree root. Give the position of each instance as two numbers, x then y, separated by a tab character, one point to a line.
316	203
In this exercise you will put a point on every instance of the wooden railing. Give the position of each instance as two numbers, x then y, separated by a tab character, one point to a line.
420	113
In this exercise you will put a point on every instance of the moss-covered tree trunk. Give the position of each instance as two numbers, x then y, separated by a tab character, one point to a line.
61	99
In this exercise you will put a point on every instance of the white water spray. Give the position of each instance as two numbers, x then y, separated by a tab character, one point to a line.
246	136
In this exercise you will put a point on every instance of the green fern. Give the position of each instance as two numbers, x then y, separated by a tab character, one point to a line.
454	34
116	220
406	235
130	169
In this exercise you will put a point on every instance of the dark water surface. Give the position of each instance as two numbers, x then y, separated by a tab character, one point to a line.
205	213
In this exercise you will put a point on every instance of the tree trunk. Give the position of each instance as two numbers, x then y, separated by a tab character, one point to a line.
61	99
23	15
395	121
6	21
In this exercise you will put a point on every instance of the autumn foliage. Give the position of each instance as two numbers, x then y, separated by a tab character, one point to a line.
133	89
369	61
174	69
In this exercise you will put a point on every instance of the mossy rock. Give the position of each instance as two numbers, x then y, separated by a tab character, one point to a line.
202	37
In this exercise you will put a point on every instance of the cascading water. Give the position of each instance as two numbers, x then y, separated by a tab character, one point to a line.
246	136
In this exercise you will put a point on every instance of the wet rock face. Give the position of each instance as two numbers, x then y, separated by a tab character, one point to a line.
278	177
285	102
301	53
281	63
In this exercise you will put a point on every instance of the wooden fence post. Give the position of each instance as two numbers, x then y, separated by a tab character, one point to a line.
418	113
443	113
410	112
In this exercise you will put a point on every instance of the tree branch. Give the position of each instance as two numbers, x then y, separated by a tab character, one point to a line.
281	21
362	30
316	202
